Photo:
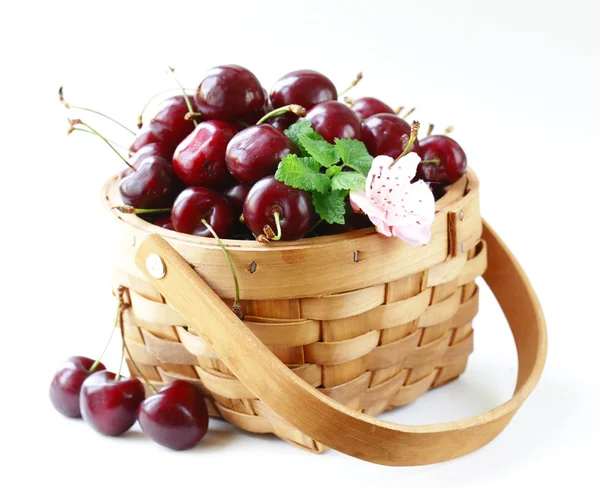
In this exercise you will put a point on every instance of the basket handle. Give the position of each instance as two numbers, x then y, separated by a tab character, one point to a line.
320	417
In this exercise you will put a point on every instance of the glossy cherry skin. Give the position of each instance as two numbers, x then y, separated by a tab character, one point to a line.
110	406
168	126
386	134
256	152
282	122
304	87
367	106
153	185
453	160
196	203
165	223
268	196
200	158
158	149
230	93
66	384
236	195
335	120
176	417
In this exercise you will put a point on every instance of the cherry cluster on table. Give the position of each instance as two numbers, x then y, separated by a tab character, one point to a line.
223	167
175	417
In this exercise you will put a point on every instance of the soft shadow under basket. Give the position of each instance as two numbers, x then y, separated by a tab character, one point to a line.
336	329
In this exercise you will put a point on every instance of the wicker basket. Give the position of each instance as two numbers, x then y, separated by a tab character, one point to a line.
372	323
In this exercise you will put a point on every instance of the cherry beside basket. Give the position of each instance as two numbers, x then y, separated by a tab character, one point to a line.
335	329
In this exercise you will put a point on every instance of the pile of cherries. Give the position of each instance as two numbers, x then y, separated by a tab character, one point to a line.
204	157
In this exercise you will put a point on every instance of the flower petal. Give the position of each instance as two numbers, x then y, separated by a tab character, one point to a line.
415	234
360	200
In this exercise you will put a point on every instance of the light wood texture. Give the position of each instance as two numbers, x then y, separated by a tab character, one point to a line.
317	416
370	343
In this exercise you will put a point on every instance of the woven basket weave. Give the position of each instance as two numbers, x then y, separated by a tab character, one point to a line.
372	322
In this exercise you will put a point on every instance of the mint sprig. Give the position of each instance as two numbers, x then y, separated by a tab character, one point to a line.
319	169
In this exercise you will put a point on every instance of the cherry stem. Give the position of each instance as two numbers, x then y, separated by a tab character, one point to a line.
118	377
236	301
77	107
126	348
75	122
448	129
295	109
116	144
349	101
97	361
186	98
433	161
128	209
140	121
277	237
430	129
191	115
414	131
352	85
409	112
399	109
316	225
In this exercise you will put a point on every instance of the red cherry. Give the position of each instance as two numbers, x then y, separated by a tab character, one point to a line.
282	122
229	93
268	197
304	87
153	185
197	203
110	406
168	126
451	160
159	149
256	152
66	384
200	158
335	120
236	195
387	134
367	106
165	223
176	417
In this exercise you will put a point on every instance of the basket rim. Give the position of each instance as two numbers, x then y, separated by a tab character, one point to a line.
111	199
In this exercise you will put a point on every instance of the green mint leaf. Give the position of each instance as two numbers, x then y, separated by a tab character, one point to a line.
348	180
326	154
302	173
330	206
354	154
333	170
295	130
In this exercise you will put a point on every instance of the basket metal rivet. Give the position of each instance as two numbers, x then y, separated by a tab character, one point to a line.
252	267
461	215
356	256
133	241
462	247
155	266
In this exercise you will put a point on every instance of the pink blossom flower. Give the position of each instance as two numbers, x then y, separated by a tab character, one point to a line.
396	206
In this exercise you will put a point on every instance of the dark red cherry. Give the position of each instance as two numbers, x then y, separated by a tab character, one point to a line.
168	125
159	149
230	93
110	406
197	203
236	195
269	196
335	120
176	417
200	159
304	87
153	185
66	384
256	152
367	106
386	134
165	223
282	122
452	160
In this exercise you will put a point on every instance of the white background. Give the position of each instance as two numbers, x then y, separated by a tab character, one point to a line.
520	82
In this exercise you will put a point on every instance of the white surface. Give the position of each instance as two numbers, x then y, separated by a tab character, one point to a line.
517	79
